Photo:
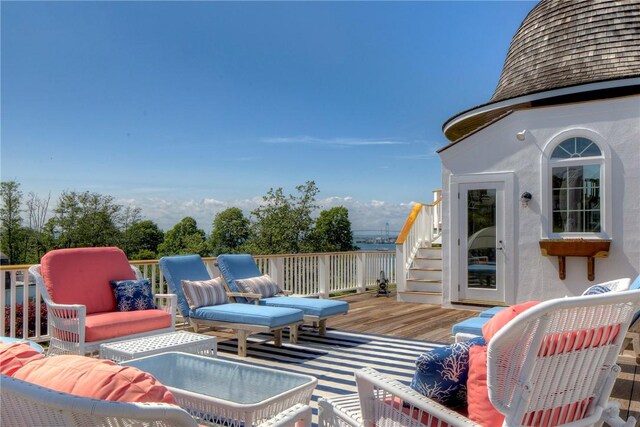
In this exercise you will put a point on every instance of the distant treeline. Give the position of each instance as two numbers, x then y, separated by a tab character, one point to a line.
29	226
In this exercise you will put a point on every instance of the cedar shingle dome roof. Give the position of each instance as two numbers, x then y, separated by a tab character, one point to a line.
564	51
565	43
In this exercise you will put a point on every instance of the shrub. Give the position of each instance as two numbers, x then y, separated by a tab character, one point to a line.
20	320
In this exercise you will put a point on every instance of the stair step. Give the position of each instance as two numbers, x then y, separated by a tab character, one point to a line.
410	279
421	297
425	269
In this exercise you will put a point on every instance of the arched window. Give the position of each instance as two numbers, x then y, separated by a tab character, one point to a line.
576	186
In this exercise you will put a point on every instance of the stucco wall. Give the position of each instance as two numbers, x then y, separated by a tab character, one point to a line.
496	149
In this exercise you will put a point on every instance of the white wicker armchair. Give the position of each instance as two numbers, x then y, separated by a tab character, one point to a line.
26	404
554	364
66	322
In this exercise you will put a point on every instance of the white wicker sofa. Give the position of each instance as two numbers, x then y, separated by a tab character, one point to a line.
26	404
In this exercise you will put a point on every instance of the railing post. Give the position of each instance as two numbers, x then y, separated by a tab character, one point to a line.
323	276
360	272
276	269
401	282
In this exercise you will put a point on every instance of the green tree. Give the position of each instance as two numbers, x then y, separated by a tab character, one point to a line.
184	238
230	232
283	223
333	231
11	231
84	219
37	209
142	240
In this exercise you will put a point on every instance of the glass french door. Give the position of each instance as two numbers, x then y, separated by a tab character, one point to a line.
482	249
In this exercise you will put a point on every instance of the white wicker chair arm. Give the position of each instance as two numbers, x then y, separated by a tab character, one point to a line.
168	303
24	404
377	393
298	415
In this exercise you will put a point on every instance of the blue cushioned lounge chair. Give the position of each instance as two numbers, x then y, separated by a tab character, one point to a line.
243	266
243	319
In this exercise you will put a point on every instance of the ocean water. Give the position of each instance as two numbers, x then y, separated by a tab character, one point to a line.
376	246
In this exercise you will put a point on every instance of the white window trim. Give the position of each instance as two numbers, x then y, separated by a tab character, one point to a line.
604	159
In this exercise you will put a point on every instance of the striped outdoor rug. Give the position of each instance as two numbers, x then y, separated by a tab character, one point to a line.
334	358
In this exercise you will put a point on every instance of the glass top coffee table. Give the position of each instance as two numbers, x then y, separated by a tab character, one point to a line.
224	392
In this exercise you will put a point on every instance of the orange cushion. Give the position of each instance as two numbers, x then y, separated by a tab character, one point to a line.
82	276
104	326
478	404
14	356
95	378
503	317
566	342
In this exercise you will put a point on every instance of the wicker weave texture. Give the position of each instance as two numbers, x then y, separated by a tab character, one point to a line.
186	342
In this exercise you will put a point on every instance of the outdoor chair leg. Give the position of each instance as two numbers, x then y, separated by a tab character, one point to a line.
293	334
323	327
277	337
242	343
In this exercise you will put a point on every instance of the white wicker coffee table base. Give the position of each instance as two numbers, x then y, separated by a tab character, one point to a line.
186	342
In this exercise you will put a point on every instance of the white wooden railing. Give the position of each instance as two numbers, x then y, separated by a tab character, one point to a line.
422	228
321	274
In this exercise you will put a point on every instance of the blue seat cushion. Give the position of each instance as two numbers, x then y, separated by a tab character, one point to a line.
310	306
182	267
473	326
442	373
490	312
250	314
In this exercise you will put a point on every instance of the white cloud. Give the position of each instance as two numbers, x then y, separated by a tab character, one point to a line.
372	216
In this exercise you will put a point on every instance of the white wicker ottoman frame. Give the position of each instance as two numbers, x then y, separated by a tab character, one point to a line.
228	393
187	342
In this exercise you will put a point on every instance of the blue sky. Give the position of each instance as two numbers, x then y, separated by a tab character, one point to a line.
187	108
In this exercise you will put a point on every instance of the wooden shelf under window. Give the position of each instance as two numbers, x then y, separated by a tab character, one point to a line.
588	248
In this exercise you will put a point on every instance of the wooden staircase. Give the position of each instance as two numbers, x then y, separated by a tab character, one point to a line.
424	278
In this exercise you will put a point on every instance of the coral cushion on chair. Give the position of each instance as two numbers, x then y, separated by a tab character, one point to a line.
104	326
14	356
503	317
95	378
82	276
479	406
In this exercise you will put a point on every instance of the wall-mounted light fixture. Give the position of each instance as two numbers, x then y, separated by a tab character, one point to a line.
525	198
522	135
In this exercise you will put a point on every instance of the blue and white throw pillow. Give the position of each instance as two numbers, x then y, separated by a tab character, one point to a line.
263	285
596	289
442	373
133	295
610	286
